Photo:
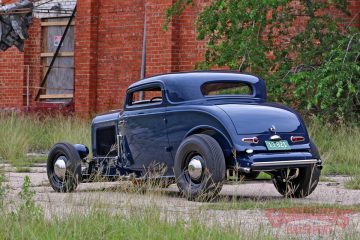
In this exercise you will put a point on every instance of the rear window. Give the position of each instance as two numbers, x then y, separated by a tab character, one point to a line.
226	88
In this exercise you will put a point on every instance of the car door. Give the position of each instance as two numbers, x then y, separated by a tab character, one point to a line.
143	127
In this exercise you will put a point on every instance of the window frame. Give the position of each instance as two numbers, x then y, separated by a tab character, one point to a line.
130	92
250	86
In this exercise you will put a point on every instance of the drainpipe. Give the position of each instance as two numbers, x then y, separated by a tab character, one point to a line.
28	88
143	54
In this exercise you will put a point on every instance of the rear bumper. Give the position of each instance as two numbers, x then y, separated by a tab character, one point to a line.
272	161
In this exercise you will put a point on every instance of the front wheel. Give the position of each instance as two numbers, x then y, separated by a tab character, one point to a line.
64	167
297	182
199	167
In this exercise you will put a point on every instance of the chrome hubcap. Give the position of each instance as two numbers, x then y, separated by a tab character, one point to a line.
195	168
60	167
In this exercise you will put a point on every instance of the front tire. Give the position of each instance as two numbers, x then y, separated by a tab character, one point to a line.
199	167
64	167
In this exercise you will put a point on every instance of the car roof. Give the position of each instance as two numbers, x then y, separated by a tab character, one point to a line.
192	81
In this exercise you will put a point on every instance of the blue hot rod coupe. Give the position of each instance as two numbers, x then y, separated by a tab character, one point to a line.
197	129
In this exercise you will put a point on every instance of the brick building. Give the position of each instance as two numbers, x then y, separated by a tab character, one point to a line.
102	54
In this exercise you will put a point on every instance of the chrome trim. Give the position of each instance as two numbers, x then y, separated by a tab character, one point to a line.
275	138
244	169
279	163
60	167
195	168
253	140
249	151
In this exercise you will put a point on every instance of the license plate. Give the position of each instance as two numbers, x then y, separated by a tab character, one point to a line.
277	145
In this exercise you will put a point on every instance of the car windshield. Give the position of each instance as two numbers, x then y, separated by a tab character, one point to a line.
226	88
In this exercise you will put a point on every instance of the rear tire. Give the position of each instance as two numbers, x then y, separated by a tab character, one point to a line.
199	167
300	186
64	167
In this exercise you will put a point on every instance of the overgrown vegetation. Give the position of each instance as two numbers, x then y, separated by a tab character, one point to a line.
353	182
27	221
102	225
20	134
309	59
339	147
251	204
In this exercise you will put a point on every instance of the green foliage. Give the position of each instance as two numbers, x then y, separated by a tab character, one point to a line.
291	44
3	190
28	208
332	90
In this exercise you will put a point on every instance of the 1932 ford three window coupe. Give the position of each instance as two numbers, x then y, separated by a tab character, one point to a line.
197	129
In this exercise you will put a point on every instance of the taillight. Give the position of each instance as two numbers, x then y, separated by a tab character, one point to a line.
297	138
250	140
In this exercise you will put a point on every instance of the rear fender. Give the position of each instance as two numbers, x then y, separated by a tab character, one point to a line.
224	142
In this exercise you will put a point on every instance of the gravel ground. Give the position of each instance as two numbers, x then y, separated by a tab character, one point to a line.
117	197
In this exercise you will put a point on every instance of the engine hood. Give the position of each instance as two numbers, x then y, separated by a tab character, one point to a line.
258	119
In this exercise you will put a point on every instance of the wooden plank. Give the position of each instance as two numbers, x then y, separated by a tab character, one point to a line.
61	78
56	96
61	54
54	24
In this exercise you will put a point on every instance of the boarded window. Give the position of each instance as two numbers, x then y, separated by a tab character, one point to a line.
60	81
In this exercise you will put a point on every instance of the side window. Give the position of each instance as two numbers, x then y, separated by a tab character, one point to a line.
145	96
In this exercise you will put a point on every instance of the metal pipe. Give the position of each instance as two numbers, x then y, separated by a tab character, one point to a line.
143	53
28	88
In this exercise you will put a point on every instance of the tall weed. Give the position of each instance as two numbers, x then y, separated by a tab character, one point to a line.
21	134
338	146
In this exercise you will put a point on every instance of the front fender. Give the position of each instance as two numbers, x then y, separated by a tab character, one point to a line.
82	150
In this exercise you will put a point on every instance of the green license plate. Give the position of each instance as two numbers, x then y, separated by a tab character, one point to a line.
277	145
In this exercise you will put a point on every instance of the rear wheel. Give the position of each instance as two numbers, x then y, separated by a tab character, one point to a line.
64	167
199	167
297	182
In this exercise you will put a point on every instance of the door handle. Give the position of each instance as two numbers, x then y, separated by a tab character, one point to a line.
122	121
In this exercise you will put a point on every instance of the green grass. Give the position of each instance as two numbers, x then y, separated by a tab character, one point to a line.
254	204
21	169
324	178
338	146
263	176
353	182
144	224
21	134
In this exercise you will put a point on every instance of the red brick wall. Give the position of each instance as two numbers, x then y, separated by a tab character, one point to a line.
86	56
119	47
11	78
108	46
32	61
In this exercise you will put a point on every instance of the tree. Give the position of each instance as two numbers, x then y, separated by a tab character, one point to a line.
309	59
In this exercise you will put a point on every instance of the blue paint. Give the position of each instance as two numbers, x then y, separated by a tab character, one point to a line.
152	133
